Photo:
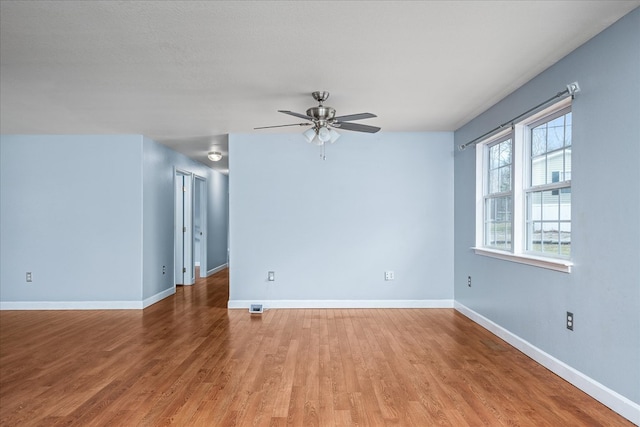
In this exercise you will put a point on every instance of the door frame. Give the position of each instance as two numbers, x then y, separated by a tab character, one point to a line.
200	192
183	241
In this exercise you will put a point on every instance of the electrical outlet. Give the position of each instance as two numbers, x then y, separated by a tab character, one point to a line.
164	269
271	276
469	281
388	275
570	321
29	277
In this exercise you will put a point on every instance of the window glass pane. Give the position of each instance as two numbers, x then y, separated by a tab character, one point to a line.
505	153
538	170
565	204
538	140
565	239
503	209
567	130
536	233
494	181
550	152
498	228
499	178
488	233
550	206
494	156
488	208
505	178
555	134
534	206
555	167
547	242
549	222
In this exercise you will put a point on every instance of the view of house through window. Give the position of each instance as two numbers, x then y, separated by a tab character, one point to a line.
526	186
549	193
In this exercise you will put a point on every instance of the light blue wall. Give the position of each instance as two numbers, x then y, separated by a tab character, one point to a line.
217	219
329	229
158	219
92	218
71	209
603	291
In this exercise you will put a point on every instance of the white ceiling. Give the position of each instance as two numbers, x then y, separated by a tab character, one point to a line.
188	73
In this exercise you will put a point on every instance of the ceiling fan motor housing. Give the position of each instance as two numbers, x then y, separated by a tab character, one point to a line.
321	114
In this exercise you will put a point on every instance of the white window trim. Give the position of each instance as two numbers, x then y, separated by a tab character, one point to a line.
519	152
481	184
557	264
497	139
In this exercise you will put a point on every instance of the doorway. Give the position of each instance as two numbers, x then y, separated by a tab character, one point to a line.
200	224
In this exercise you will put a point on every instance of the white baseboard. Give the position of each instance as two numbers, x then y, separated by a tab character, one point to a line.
618	403
158	297
85	305
71	305
274	304
218	268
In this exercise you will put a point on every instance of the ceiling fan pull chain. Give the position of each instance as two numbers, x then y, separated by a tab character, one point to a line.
322	152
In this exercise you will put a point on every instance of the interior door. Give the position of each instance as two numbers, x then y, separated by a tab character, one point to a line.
184	265
200	223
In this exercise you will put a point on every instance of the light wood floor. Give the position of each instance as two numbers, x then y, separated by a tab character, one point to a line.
187	360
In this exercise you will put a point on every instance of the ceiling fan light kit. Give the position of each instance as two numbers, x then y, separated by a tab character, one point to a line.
323	119
321	135
309	134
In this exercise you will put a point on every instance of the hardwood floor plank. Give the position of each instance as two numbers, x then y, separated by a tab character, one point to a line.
295	416
187	360
326	414
285	387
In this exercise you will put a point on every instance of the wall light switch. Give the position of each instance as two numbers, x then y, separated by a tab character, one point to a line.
271	276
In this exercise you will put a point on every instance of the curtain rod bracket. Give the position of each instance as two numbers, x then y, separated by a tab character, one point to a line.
573	88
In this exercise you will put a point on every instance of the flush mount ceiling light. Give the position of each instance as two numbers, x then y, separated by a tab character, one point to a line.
214	156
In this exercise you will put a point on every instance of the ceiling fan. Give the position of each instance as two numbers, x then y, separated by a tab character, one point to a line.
323	119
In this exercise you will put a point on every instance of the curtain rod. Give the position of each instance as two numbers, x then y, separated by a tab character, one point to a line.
571	90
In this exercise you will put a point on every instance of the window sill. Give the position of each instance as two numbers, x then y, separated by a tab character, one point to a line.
548	263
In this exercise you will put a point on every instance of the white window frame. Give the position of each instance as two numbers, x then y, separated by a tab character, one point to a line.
520	134
498	139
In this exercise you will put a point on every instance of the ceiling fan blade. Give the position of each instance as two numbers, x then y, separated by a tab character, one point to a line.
351	117
294	114
356	127
281	126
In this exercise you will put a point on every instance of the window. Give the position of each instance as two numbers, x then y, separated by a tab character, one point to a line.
548	213
524	191
498	197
